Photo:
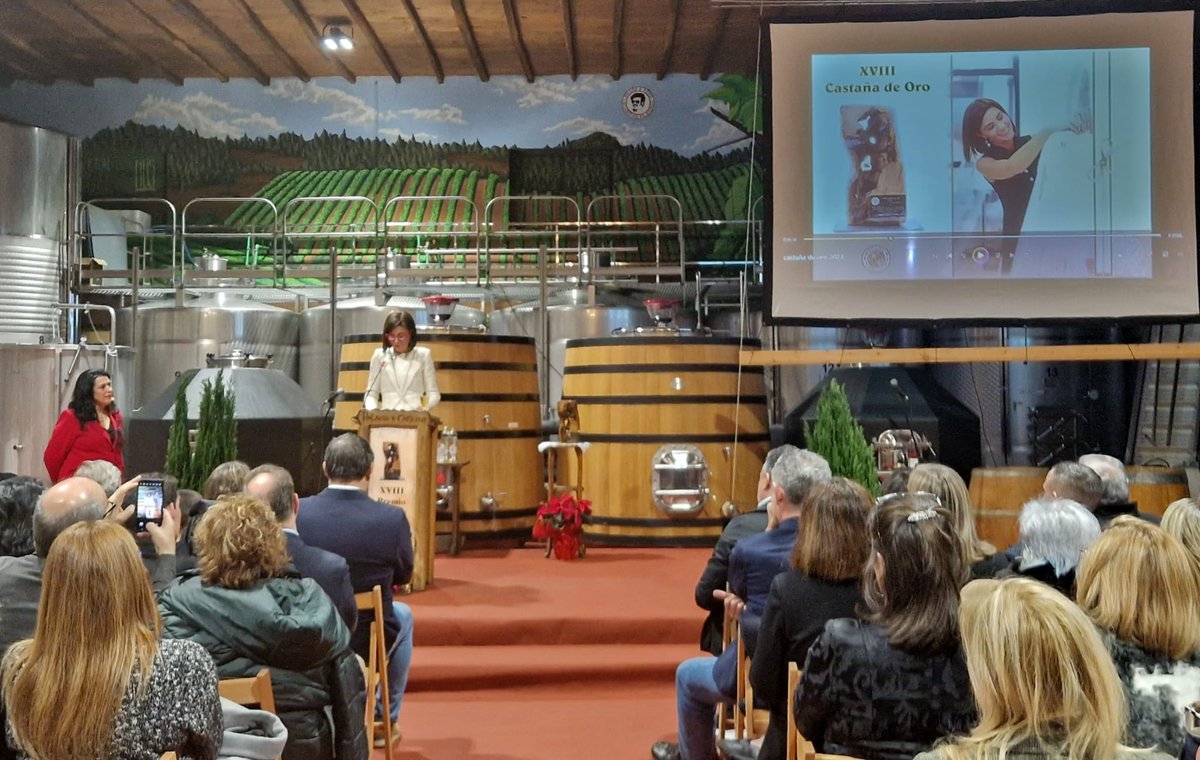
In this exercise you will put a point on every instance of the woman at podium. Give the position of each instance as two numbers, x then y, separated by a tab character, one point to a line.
402	377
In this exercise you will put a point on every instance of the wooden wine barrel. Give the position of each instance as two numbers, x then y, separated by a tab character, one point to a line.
1154	488
489	388
997	495
638	393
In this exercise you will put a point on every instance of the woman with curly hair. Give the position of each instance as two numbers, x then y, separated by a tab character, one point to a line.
1141	587
247	606
1041	678
89	428
887	688
96	681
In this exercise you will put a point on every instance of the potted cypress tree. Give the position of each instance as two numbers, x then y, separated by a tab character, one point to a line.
839	438
216	434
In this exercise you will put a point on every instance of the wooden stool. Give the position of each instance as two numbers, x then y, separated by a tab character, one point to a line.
551	449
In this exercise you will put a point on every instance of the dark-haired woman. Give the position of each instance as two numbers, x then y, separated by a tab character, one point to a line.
89	428
1008	161
888	688
401	376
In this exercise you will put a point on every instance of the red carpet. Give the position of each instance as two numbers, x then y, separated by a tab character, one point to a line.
518	657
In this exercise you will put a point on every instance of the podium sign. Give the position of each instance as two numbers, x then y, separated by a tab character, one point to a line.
403	475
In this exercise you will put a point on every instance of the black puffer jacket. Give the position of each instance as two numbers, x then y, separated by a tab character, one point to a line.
290	626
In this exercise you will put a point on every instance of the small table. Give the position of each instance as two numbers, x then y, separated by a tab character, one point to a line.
551	449
449	473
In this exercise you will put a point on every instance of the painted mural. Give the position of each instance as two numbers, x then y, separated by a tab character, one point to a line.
619	148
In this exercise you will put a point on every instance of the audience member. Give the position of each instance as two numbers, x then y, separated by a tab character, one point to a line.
226	478
1140	585
1114	500
1054	536
897	482
716	573
96	680
887	688
825	583
1075	481
376	541
191	508
703	682
250	612
65	503
273	485
1040	678
103	472
1182	520
946	484
18	498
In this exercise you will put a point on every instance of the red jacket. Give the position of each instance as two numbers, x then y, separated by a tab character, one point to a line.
71	446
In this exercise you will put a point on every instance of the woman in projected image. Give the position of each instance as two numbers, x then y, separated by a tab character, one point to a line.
1009	162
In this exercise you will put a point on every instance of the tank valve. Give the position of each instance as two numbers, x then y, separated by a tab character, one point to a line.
487	502
729	510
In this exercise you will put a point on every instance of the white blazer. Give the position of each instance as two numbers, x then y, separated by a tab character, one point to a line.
396	382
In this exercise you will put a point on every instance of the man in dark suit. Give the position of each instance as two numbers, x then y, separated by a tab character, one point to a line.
273	485
702	682
716	572
375	540
1114	501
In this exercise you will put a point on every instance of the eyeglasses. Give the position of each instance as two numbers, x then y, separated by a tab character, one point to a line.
890	497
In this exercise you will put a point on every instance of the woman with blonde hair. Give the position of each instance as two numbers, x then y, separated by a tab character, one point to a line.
248	607
825	583
1142	588
889	687
948	486
95	681
1041	679
1182	520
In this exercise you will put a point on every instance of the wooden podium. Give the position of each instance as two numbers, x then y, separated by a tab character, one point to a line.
404	475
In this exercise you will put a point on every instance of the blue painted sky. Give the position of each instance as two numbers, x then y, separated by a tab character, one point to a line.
503	111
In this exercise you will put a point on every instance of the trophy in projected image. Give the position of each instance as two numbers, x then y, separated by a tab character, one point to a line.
877	188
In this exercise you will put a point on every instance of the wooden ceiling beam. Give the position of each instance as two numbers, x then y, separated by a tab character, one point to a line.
618	39
197	17
179	42
514	31
22	49
714	42
360	20
569	36
468	35
256	22
669	51
115	34
15	71
419	26
314	33
129	64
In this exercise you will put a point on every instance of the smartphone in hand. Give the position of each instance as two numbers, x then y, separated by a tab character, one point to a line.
149	504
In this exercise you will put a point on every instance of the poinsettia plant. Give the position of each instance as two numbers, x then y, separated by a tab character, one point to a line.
560	521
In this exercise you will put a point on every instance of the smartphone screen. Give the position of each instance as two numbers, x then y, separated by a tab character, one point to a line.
149	503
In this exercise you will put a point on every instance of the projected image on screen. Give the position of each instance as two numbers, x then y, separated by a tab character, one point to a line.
985	164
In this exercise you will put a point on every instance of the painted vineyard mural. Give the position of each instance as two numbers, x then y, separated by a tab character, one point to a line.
428	177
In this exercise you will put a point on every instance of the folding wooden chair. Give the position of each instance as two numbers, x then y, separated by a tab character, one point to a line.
729	634
377	677
748	722
252	692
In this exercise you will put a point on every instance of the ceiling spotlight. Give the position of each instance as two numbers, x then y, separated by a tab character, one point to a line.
334	39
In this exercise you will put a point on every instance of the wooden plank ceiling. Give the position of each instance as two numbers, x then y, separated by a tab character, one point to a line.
85	40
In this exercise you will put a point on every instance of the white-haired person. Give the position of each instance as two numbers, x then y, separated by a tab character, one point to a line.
1114	501
1041	679
1141	587
1054	536
1182	520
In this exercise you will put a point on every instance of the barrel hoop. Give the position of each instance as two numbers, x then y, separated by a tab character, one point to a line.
656	340
598	539
484	435
682	439
664	522
676	399
493	514
456	397
476	366
444	338
604	369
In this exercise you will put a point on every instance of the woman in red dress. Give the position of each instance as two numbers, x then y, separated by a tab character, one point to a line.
90	428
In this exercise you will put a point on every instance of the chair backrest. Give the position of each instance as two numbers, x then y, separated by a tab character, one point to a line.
252	692
748	722
377	678
794	739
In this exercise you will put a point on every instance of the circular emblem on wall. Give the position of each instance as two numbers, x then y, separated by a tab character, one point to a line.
637	102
